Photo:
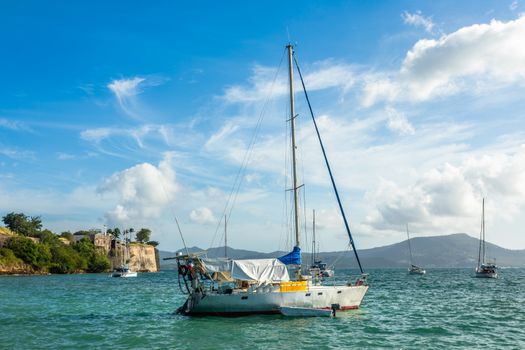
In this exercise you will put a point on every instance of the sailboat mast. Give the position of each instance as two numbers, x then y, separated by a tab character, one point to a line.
225	239
483	226
294	165
313	241
409	247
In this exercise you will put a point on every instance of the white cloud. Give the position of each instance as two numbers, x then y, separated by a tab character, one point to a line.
322	75
143	192
65	156
14	153
126	91
166	133
97	134
398	122
514	5
227	130
448	198
418	20
202	216
124	88
472	59
12	124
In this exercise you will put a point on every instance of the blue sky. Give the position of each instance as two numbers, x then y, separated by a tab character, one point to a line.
128	114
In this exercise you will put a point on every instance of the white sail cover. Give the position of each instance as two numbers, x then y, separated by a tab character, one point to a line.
260	270
217	265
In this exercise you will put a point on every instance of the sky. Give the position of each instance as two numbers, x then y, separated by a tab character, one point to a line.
134	114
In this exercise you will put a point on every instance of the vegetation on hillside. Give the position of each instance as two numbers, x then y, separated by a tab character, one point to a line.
42	250
46	251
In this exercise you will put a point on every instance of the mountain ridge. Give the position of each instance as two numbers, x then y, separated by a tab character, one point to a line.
453	250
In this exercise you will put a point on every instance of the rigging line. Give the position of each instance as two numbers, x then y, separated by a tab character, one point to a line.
239	177
283	236
328	167
341	255
244	164
174	216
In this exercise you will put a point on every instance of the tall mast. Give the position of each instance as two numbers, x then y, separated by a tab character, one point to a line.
294	165
409	247
225	239
483	226
313	240
480	236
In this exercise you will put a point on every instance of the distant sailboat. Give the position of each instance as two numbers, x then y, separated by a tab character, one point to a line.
318	268
484	269
123	271
413	269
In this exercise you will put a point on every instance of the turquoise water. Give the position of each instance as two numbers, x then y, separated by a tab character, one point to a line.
444	309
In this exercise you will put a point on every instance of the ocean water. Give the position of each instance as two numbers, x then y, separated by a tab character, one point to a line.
446	309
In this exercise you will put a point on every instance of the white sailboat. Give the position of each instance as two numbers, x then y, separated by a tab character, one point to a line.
123	271
484	269
318	269
227	287
413	269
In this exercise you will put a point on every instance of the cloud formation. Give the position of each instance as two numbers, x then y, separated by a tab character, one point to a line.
323	75
472	59
450	196
398	122
418	20
126	92
142	192
203	216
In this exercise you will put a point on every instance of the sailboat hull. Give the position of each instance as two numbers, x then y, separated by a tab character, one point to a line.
244	303
482	272
486	275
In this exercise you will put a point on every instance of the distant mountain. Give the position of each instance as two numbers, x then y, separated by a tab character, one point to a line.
455	250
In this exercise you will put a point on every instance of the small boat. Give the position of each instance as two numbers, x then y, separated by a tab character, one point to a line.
306	312
318	269
123	272
413	269
484	269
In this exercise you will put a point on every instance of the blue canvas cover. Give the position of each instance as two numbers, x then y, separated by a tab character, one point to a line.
292	258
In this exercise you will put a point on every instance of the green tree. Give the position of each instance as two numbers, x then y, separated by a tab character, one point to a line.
143	235
37	255
152	243
8	258
96	261
23	224
66	260
47	237
116	233
67	235
99	263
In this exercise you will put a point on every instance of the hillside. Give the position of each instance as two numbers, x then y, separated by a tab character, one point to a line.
455	250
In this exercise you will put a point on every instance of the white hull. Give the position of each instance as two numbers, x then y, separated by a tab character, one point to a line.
416	272
486	274
245	303
124	274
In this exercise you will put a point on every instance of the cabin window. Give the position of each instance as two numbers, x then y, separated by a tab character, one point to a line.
320	293
308	294
244	298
